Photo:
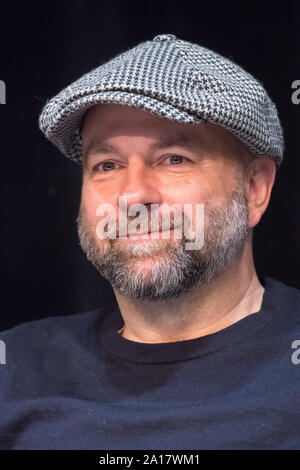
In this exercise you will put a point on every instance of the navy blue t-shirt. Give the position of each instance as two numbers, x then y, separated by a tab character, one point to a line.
73	382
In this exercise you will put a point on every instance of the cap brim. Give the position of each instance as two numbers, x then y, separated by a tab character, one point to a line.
61	122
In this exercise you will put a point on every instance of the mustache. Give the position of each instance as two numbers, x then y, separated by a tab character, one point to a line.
133	225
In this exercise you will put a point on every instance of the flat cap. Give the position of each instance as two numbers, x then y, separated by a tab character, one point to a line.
174	79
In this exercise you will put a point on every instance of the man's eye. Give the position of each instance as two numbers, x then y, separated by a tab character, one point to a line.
104	166
108	166
176	159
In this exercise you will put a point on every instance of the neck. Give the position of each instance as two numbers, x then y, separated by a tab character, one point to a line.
201	311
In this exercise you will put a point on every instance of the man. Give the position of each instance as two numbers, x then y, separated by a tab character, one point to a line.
199	352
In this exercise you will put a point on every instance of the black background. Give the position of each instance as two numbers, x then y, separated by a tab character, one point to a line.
47	45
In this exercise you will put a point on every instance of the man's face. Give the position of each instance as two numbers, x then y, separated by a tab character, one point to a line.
148	160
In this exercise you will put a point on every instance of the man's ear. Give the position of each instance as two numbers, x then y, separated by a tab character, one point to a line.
259	176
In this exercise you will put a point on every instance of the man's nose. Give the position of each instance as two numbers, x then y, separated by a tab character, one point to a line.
140	184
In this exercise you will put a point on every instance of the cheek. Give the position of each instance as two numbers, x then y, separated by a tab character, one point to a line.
189	191
91	199
200	194
188	195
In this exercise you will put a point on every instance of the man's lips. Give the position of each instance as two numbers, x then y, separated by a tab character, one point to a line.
138	234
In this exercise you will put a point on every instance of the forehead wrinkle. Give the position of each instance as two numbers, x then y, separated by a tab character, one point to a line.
176	140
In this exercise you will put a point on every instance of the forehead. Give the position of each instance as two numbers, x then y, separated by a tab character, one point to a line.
106	122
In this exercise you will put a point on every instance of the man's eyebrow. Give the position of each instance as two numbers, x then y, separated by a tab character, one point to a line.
161	143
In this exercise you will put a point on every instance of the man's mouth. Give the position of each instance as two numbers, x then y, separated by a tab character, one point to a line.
149	233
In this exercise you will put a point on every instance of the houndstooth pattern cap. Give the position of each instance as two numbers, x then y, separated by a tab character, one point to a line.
174	79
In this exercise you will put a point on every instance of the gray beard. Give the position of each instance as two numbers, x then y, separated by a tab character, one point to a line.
173	269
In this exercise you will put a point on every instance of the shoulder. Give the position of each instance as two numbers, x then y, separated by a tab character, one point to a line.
283	293
55	333
42	356
284	300
55	322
